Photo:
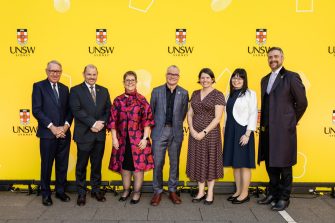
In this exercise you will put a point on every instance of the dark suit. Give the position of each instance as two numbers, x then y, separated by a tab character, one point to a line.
47	109
90	145
281	110
167	137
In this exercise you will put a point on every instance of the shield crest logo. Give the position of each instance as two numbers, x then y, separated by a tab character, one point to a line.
101	36
259	117
181	36
24	116
260	36
22	36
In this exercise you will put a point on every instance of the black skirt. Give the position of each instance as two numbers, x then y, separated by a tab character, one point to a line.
128	163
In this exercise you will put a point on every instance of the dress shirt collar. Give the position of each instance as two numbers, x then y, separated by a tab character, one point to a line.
52	85
277	71
89	86
169	90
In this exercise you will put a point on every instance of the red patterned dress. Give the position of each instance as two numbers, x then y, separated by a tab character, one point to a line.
130	113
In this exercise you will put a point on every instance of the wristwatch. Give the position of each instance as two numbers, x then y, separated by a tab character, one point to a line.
146	138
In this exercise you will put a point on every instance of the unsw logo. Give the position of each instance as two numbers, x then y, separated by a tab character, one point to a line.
102	49
329	131
180	49
24	129
261	49
22	40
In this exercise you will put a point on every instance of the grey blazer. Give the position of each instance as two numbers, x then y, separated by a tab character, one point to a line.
158	105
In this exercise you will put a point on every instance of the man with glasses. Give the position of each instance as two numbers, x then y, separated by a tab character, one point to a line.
90	104
50	105
169	104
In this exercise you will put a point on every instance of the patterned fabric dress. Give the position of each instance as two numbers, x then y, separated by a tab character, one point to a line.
204	158
130	113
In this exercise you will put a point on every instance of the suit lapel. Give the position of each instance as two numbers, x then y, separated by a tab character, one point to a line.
177	99
265	84
47	85
88	93
163	97
278	79
97	95
61	95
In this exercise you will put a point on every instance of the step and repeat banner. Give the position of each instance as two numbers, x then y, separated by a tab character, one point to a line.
149	35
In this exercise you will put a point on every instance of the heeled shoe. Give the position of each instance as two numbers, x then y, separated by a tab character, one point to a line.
197	200
126	197
206	202
231	198
132	201
236	201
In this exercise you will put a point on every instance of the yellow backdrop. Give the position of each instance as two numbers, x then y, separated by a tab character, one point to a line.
141	36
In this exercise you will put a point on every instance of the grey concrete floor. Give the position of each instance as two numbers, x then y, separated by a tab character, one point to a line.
20	207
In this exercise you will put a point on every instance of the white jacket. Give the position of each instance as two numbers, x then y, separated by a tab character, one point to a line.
245	110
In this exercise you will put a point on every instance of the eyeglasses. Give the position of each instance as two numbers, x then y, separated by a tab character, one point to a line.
173	75
130	81
237	79
55	71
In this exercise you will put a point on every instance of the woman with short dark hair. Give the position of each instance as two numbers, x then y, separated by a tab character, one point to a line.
130	122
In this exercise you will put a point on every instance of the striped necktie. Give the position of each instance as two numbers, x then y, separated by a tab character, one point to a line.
93	94
55	92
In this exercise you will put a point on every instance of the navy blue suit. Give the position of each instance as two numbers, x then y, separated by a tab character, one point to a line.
47	109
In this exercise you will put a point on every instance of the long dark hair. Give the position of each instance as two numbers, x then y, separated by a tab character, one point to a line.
242	73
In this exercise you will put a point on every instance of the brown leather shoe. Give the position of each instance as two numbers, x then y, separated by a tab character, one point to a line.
156	199
174	198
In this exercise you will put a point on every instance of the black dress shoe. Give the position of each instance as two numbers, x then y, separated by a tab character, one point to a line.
126	197
197	200
231	198
99	196
46	201
280	205
132	201
237	201
267	200
81	201
63	197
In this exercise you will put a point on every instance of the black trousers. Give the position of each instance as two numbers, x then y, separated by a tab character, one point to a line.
58	150
281	178
94	152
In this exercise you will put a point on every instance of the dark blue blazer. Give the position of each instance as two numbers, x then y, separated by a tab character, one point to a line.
46	109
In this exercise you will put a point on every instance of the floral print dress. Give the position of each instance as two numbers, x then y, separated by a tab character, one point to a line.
130	113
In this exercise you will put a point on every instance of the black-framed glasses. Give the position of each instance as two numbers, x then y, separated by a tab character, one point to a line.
237	79
55	71
129	80
173	75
